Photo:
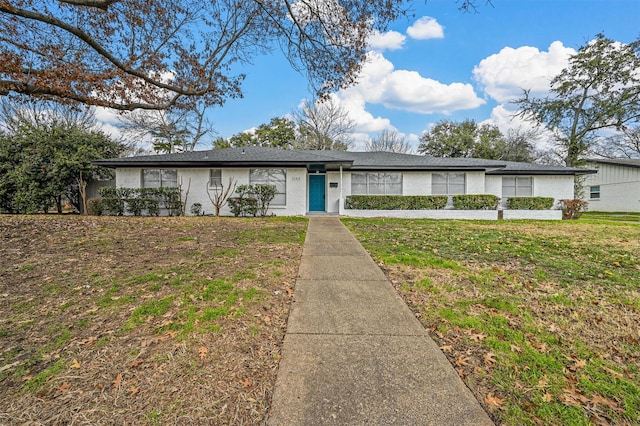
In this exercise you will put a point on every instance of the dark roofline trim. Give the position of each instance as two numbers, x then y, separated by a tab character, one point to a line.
417	169
616	162
210	164
542	172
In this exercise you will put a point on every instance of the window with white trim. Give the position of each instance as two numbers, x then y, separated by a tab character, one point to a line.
448	183
159	178
594	192
376	183
277	177
517	186
215	178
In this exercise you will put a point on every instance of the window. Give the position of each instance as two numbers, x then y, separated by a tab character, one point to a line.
448	183
517	187
159	178
376	183
277	177
215	178
594	192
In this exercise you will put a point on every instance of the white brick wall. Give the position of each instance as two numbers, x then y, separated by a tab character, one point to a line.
414	183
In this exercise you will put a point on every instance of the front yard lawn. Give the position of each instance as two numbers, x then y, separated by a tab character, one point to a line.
130	320
540	319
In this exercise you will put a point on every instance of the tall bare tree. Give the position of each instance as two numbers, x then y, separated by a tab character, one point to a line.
388	141
173	130
323	125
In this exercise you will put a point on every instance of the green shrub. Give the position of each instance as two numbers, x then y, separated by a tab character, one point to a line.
396	202
252	199
139	201
243	206
94	206
475	202
530	203
264	194
113	206
134	205
152	206
573	209
196	209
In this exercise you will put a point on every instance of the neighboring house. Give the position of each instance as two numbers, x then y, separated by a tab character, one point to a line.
319	181
616	186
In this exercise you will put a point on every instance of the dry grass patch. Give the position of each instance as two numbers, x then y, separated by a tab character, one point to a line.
123	320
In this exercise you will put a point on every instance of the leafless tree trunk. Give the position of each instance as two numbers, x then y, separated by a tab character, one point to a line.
221	194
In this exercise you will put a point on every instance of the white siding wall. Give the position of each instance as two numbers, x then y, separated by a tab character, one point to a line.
416	183
619	188
557	187
476	183
196	182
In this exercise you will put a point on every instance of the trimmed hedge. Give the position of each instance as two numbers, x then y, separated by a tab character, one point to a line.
475	202
530	203
137	201
396	202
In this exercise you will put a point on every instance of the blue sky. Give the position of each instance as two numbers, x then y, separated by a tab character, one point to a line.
439	64
449	65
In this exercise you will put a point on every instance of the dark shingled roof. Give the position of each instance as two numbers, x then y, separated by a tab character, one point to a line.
332	160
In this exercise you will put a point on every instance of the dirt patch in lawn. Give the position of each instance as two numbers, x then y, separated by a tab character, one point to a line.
123	320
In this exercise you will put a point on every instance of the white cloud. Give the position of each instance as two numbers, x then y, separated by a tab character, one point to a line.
505	74
426	28
380	83
391	40
407	90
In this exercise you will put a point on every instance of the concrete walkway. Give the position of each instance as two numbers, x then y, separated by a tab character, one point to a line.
354	354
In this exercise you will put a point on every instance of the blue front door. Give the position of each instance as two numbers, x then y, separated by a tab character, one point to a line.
316	193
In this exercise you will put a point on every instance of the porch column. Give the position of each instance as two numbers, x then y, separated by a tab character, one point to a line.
340	201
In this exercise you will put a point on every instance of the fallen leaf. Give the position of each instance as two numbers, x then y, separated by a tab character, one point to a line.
597	399
547	397
579	364
516	348
64	386
446	348
542	383
267	319
246	382
75	364
494	400
461	361
117	381
490	359
203	352
134	390
478	337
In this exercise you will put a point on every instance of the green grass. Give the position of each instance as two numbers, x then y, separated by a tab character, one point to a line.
553	305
